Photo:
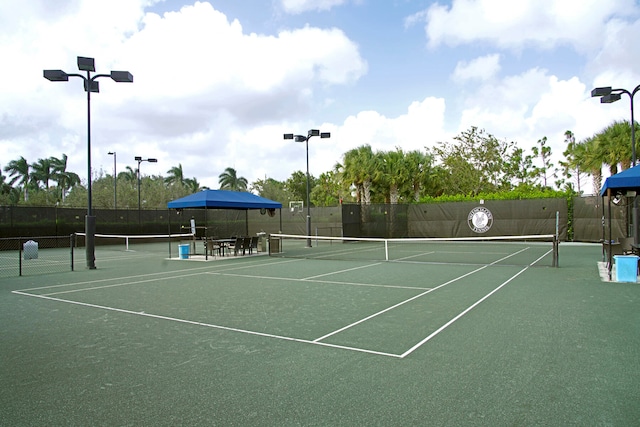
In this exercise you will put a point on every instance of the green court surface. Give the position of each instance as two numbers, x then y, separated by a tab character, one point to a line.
258	340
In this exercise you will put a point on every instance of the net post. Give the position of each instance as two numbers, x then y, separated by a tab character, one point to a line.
386	249
71	245
20	256
126	240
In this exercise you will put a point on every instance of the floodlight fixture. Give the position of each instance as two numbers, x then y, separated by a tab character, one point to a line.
611	98
609	95
90	85
56	75
122	76
601	91
302	138
139	159
86	64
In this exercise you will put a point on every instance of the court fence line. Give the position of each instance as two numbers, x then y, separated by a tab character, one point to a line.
20	256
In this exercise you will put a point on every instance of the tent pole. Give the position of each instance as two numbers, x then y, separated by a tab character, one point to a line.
609	256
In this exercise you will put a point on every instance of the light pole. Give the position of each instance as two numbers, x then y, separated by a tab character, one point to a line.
90	85
115	182
305	139
607	96
140	160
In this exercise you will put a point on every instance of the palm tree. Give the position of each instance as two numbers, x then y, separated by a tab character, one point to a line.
129	175
391	173
574	155
615	147
592	161
19	171
192	184
418	167
176	176
229	180
358	170
65	179
42	171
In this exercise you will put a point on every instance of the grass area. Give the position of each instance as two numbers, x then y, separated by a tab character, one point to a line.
268	341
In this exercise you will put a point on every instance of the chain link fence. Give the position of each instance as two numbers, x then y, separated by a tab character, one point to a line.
20	256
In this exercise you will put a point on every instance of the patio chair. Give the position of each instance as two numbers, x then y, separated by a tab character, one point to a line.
237	246
253	244
246	245
214	246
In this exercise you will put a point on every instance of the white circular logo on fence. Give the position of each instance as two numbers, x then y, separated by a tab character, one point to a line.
480	219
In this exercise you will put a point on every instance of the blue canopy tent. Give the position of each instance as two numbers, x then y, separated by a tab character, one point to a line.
223	199
627	184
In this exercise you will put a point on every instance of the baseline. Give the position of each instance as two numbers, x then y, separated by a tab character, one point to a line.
208	325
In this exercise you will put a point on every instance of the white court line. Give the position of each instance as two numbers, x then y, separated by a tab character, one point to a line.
342	271
167	275
330	282
305	341
115	285
208	325
412	298
398	305
468	309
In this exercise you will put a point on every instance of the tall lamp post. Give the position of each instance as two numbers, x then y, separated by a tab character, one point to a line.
305	139
607	96
90	85
115	181
140	160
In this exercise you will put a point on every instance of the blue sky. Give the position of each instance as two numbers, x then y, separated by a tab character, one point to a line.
217	83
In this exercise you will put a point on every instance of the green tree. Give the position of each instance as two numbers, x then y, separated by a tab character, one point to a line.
421	174
328	190
476	162
191	184
547	169
129	175
615	147
20	174
591	161
42	171
229	180
272	189
391	174
8	194
176	176
296	185
65	179
358	171
573	160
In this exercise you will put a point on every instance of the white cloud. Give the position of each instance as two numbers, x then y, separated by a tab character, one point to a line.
203	87
299	6
526	107
482	68
541	23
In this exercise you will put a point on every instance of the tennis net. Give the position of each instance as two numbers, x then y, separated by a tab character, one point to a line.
538	250
164	244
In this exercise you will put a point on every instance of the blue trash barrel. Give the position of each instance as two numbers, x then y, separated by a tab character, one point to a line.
183	250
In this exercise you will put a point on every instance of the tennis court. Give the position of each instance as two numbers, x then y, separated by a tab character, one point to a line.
261	340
